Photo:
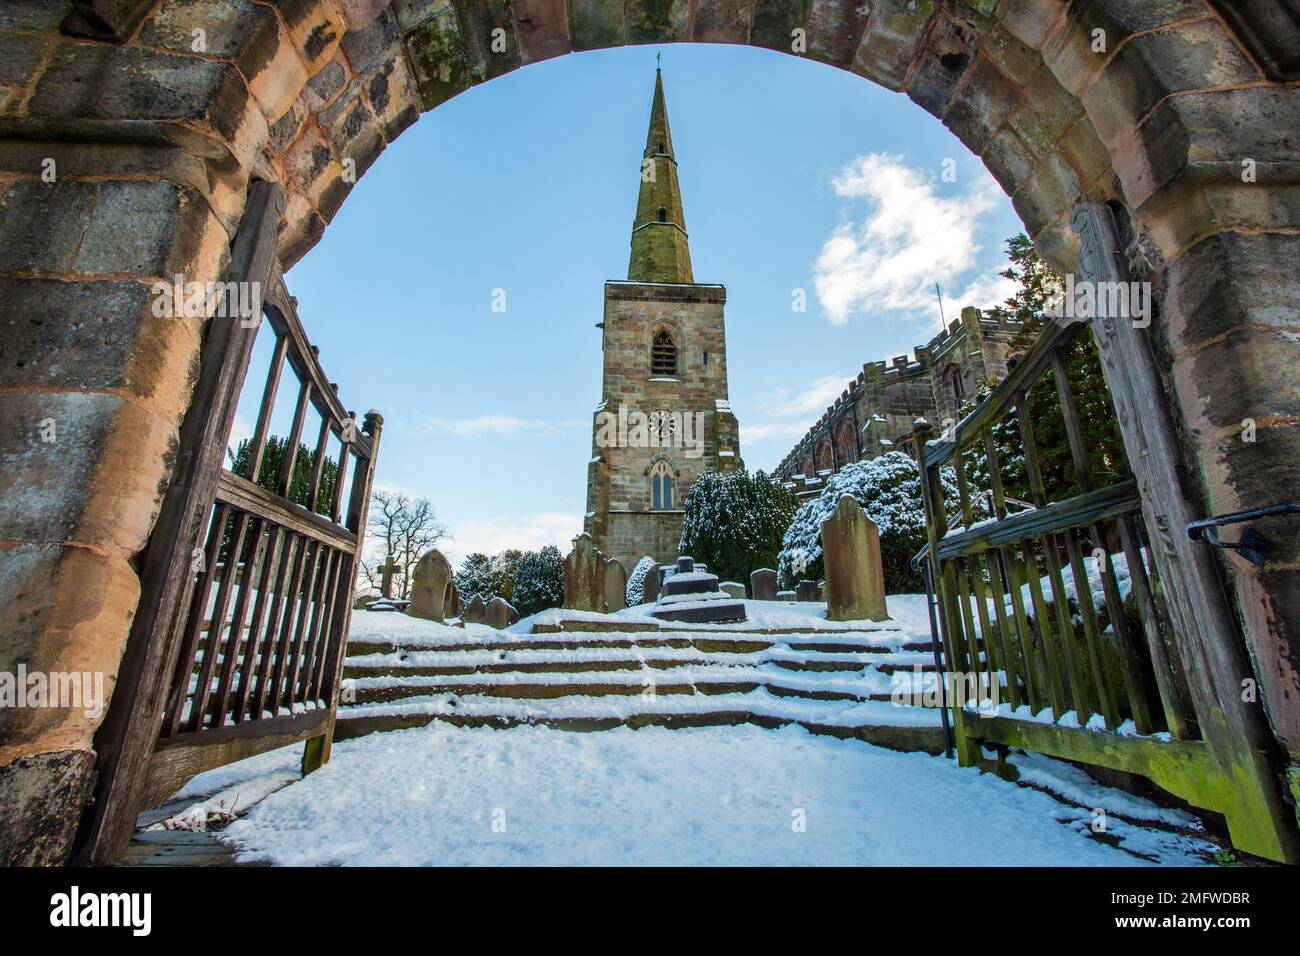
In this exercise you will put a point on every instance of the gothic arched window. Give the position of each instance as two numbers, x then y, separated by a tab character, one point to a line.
661	487
663	354
663	213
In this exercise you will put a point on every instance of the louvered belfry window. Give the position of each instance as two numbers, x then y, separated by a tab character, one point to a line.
663	355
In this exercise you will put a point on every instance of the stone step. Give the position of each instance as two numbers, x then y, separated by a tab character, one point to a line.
631	626
420	664
851	642
359	721
396	692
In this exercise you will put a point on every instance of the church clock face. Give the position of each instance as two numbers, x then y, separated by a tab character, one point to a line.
663	424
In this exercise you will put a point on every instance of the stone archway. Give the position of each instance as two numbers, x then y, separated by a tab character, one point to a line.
128	152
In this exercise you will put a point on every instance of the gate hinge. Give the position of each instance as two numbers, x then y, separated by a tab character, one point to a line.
1252	546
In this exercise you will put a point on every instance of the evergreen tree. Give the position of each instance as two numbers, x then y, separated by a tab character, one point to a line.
268	477
636	581
504	569
539	581
889	490
734	522
476	577
268	474
1103	443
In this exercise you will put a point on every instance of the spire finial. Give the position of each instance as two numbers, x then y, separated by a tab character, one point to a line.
659	61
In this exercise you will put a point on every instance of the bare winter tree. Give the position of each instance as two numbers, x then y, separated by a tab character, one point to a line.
402	529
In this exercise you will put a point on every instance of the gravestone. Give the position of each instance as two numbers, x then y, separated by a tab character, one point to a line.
429	586
615	586
763	584
497	613
733	588
692	594
386	571
807	591
584	576
475	610
785	595
451	602
855	578
514	615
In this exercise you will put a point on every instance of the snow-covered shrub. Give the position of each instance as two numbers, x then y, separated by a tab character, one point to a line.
734	522
889	490
636	581
539	581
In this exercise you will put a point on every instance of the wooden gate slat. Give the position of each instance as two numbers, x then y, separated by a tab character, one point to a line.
258	644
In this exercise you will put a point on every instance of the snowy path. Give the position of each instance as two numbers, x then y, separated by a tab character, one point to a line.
441	795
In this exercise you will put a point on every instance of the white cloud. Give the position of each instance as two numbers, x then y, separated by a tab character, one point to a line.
785	414
814	398
497	533
911	238
511	426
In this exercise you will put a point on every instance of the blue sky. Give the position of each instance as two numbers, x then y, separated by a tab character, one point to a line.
794	176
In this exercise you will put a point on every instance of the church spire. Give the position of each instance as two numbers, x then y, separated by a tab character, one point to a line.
660	252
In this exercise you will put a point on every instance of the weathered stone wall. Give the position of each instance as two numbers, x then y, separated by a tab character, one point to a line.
155	143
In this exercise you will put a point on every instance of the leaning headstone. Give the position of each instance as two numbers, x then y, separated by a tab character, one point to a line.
615	586
364	600
763	584
497	613
429	586
807	591
475	611
855	577
584	576
451	601
514	615
733	588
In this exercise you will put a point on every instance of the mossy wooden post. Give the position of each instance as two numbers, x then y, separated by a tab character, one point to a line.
945	583
855	579
316	753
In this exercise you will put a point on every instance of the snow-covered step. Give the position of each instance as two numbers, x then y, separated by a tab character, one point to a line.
584	671
451	662
868	684
883	723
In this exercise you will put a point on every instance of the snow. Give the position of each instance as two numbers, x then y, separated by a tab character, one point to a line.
442	795
1076	786
760	702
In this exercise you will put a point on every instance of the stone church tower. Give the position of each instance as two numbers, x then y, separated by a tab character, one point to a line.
665	351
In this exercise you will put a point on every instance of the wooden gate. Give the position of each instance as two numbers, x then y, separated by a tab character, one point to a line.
1090	629
247	583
